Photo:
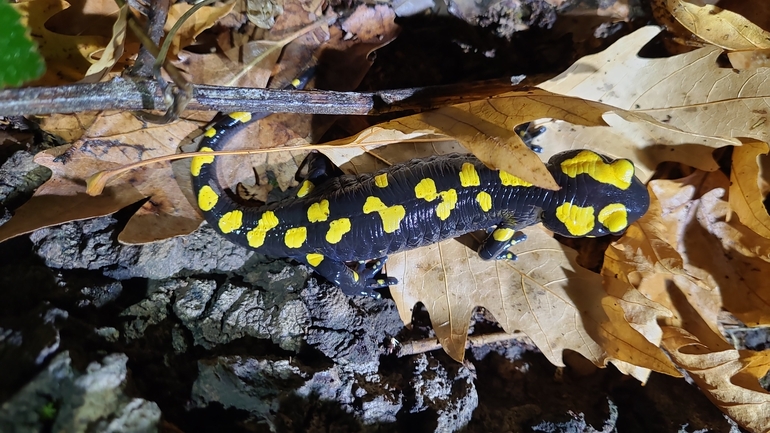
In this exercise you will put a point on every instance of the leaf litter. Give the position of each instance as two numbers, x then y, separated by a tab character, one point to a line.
702	248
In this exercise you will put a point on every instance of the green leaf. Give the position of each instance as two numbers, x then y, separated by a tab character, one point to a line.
19	59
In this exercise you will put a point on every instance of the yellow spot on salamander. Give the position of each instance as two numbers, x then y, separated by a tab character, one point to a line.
373	204
426	190
198	161
510	180
210	132
207	198
256	236
337	229
314	259
296	82
381	180
355	276
578	220
620	173
295	237
448	202
484	200
231	221
503	235
305	189
241	116
318	212
614	217
391	216
469	176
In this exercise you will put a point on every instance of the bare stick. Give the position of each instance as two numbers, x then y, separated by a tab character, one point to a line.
122	94
431	344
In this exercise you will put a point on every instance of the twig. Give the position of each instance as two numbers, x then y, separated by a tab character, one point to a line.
96	183
431	344
122	94
156	13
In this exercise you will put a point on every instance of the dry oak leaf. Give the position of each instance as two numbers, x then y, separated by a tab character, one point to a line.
113	140
112	52
619	78
643	140
745	198
689	92
203	19
544	294
729	378
725	255
486	128
719	27
743	270
648	259
67	57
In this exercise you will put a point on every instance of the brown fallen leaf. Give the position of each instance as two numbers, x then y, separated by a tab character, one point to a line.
725	255
647	143
642	314
544	294
68	127
204	18
743	267
729	377
486	128
745	197
112	52
263	13
618	77
112	140
246	62
719	27
67	57
648	258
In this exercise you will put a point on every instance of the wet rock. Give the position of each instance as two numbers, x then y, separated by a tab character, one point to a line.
20	176
100	295
219	315
278	389
93	245
62	399
448	391
152	310
348	330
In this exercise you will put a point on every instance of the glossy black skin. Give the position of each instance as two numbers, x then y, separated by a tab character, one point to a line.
512	207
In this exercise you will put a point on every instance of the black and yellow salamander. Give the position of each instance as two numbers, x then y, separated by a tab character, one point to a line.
334	218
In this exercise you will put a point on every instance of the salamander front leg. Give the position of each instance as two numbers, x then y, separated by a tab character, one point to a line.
499	241
361	282
370	272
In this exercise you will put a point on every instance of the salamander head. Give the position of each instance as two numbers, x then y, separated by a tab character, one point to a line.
599	195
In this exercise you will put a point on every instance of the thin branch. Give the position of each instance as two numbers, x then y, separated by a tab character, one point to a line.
431	344
123	94
156	14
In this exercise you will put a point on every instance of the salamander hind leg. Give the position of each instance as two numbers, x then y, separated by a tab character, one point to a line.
361	282
496	246
528	132
370	271
314	170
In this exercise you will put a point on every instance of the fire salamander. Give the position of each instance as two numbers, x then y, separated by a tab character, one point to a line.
335	218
